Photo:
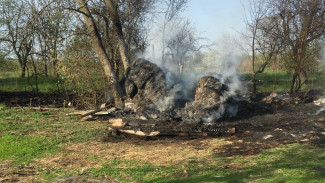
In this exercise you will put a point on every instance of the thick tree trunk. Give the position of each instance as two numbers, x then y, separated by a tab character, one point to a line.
102	55
113	12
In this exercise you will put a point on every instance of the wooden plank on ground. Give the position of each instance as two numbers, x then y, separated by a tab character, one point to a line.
140	133
117	122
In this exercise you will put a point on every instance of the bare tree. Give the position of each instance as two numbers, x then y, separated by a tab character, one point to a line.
301	23
256	12
264	42
269	45
136	17
183	43
171	9
52	28
14	20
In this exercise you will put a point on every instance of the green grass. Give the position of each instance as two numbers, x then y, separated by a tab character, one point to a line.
45	85
288	163
283	81
21	148
18	126
143	171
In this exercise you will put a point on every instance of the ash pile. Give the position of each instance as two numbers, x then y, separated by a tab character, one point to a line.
162	103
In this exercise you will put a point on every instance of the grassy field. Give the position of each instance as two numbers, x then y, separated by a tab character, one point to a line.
46	145
281	80
15	83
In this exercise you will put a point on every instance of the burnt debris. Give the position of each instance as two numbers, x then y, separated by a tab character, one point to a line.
162	103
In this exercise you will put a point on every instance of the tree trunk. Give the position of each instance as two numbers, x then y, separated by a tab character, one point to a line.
23	70
253	62
45	70
117	68
180	68
35	73
113	12
102	55
163	46
254	83
293	81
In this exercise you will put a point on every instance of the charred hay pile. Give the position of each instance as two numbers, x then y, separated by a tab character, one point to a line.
162	103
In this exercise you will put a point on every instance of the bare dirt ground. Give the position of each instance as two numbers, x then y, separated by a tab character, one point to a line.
14	99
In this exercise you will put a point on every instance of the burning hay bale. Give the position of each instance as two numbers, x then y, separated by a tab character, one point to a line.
214	101
145	83
209	92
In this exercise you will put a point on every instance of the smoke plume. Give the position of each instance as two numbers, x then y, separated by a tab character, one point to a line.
222	64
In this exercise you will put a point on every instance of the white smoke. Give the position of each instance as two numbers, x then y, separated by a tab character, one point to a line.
224	68
157	39
179	88
215	116
228	62
222	63
164	104
228	74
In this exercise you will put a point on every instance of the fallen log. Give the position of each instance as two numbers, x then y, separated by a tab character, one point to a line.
37	108
91	112
78	112
170	133
84	113
96	112
140	133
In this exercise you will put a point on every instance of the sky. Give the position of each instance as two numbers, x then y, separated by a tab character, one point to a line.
214	18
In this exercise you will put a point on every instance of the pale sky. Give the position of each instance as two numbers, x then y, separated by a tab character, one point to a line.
213	18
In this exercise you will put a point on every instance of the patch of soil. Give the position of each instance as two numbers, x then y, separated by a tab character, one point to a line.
13	99
14	173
